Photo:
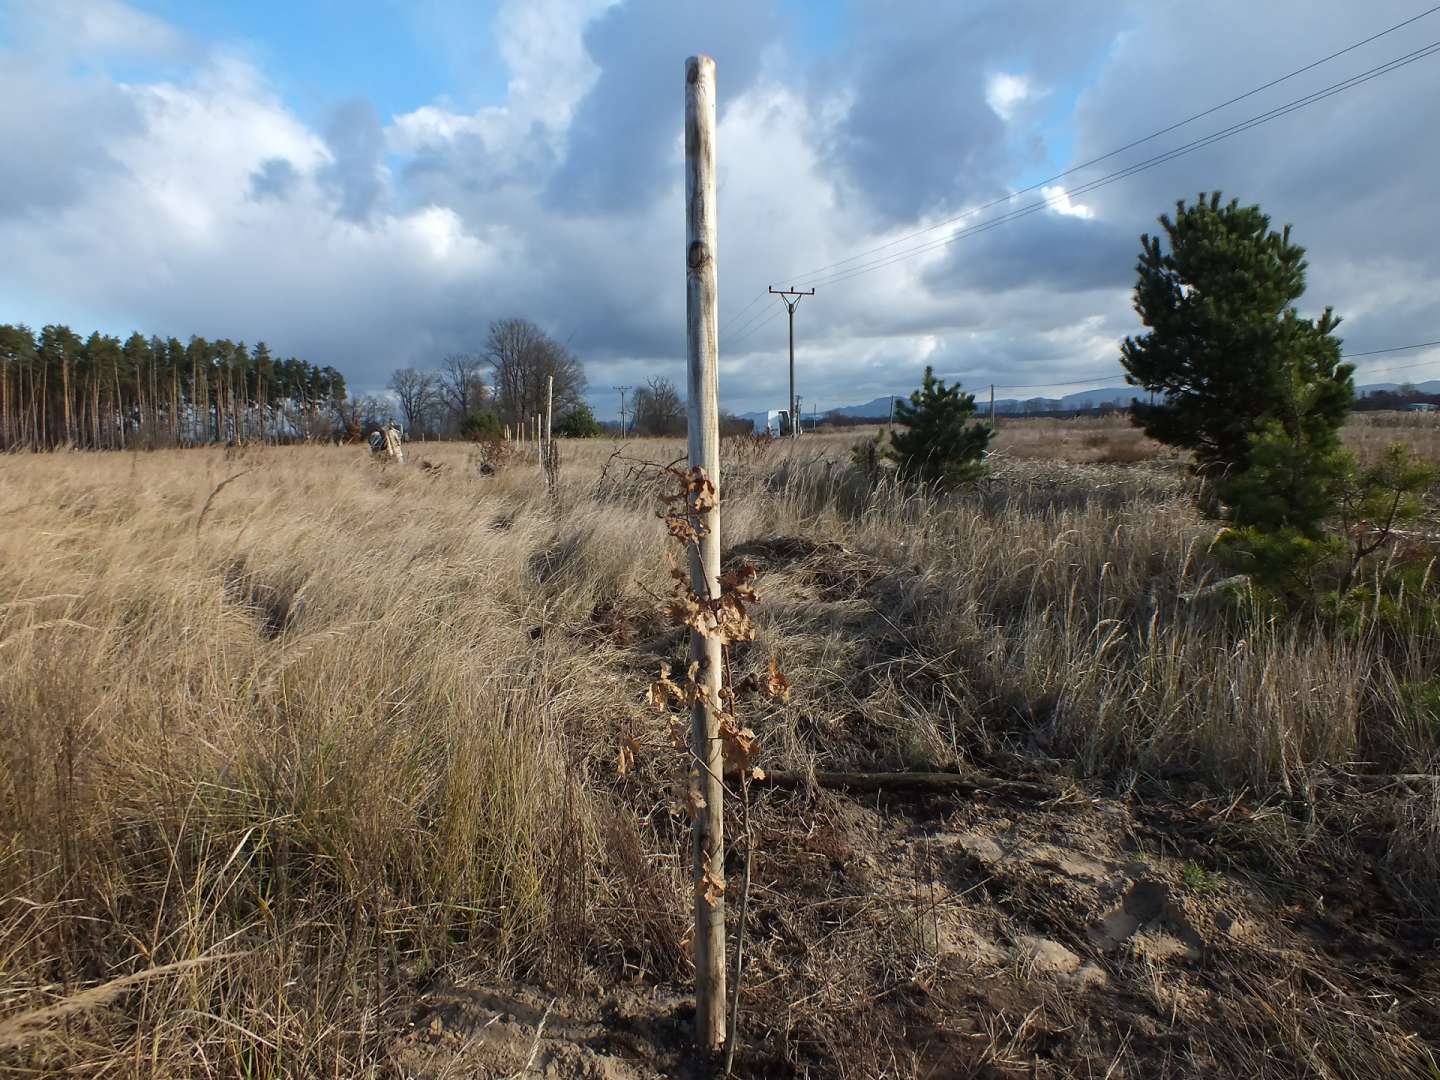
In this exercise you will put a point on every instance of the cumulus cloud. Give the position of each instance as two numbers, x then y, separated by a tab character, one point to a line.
1004	93
203	201
91	29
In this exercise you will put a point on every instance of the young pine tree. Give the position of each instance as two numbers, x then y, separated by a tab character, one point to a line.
1226	352
939	447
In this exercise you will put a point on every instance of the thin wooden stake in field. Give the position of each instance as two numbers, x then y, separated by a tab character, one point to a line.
701	349
549	431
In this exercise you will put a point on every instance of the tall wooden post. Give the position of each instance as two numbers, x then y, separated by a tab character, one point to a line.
992	406
549	430
701	351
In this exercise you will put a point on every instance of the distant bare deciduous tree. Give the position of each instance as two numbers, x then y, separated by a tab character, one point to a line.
521	356
659	408
358	416
418	393
461	384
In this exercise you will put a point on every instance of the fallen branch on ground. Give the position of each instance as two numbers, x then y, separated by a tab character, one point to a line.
910	783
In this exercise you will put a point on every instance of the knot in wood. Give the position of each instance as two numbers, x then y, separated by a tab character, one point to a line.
698	255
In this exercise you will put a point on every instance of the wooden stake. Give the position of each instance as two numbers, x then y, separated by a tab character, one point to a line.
701	310
549	430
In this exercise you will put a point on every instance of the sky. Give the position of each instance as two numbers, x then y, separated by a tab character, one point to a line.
369	185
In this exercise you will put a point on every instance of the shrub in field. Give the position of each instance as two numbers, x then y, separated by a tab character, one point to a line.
1377	499
579	423
480	426
491	455
1226	350
939	446
869	455
1311	525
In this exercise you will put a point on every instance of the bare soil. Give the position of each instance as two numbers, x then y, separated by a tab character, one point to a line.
1119	931
978	938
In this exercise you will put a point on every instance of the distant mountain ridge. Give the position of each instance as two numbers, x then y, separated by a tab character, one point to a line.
879	408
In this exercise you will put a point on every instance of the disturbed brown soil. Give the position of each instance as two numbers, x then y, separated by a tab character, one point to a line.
1089	936
1060	928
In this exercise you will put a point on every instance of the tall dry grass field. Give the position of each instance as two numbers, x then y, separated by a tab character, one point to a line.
354	728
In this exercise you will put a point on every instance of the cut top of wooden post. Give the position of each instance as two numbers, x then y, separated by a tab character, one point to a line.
702	297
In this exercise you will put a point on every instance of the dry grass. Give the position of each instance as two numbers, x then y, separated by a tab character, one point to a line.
1092	440
358	723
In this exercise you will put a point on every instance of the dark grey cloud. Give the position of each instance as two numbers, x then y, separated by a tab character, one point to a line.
1353	174
624	133
463	170
920	135
275	179
53	137
1055	251
357	146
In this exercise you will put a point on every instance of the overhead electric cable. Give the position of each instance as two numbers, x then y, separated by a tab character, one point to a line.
1143	166
1118	150
1120	174
1344	356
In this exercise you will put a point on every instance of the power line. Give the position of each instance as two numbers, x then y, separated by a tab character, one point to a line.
1401	367
744	329
752	325
1272	114
1344	356
1143	166
741	334
1396	348
1118	150
733	318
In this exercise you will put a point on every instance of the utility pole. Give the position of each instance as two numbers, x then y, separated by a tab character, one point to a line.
790	306
992	406
703	368
622	390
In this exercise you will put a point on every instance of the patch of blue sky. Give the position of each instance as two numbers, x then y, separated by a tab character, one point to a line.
820	27
400	56
1046	146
